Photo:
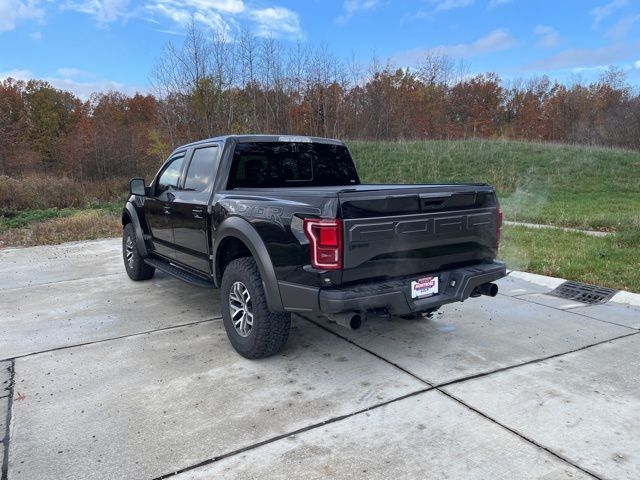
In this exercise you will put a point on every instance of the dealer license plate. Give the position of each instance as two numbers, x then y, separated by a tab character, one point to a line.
424	287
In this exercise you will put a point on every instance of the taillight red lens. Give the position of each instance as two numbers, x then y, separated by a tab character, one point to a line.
325	239
499	226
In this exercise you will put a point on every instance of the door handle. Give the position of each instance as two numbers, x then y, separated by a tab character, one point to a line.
166	210
198	213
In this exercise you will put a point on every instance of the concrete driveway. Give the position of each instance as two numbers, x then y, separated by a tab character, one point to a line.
105	378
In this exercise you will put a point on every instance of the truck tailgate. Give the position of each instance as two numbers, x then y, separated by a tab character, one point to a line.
416	229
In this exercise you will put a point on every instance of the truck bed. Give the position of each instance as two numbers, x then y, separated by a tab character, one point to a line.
391	231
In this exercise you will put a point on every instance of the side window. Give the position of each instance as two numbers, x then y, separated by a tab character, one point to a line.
170	176
201	169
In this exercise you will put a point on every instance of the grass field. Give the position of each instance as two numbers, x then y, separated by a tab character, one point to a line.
607	261
589	188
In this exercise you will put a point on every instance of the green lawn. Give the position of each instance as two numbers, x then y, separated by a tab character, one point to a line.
593	188
611	261
27	217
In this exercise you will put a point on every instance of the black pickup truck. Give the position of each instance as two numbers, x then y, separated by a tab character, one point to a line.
282	224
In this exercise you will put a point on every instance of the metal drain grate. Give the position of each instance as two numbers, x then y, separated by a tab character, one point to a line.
583	292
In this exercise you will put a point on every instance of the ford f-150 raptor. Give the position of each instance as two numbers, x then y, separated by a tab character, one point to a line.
282	224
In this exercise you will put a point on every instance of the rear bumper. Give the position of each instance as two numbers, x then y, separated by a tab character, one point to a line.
395	295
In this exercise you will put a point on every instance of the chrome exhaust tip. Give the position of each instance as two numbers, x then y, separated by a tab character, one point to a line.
489	289
352	320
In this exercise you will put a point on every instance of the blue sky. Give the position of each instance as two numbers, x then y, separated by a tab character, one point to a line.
97	45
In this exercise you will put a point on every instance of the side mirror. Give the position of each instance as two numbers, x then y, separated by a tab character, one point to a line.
136	187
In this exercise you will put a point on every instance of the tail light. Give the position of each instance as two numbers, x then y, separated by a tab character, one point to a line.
325	238
499	226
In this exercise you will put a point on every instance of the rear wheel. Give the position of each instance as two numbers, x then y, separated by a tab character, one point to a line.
133	261
253	330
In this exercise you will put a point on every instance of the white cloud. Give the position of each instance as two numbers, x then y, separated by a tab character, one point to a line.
222	16
637	64
581	58
351	7
595	68
497	3
12	11
204	7
219	15
600	13
439	6
36	35
620	30
207	12
277	21
17	74
70	72
494	41
82	89
104	11
443	5
548	37
178	15
213	20
181	13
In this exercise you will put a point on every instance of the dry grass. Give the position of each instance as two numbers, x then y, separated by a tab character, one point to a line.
39	192
84	225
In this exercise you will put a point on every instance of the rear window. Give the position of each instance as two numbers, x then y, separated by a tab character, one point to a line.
290	164
201	169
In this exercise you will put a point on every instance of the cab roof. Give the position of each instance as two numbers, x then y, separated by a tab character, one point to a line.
261	138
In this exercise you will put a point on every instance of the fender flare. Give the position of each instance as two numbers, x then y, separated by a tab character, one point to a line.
130	211
242	230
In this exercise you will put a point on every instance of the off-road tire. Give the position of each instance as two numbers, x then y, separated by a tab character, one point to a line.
270	331
133	261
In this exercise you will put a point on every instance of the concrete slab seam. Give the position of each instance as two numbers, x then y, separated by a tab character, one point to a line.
209	461
7	430
599	319
535	360
568	310
428	387
120	337
404	370
59	281
443	385
519	435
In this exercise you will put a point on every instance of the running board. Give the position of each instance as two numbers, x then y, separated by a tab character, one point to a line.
179	273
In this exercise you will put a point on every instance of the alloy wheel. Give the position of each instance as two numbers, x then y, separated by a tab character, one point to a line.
241	309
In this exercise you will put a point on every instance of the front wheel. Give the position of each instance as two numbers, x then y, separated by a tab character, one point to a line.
133	261
253	330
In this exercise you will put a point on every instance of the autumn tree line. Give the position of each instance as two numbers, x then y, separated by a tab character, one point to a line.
212	85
